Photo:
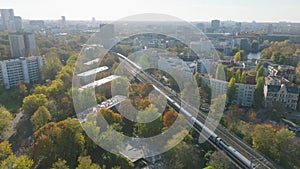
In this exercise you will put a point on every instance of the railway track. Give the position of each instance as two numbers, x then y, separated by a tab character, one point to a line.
259	161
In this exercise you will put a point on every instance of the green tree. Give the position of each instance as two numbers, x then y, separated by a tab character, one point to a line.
22	88
60	164
230	74
51	67
237	57
5	119
111	140
276	57
216	110
179	157
152	128
110	116
233	115
40	90
40	117
238	76
281	139
218	160
61	140
231	90
259	92
298	74
220	74
123	49
263	138
290	151
260	73
56	88
258	66
32	102
86	163
13	162
235	50
244	78
5	150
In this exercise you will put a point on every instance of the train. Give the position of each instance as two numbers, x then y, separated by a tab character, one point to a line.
239	158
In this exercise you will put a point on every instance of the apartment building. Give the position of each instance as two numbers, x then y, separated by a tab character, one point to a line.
288	95
19	70
288	72
244	93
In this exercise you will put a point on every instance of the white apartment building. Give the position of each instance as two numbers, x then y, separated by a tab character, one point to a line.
20	70
244	93
288	95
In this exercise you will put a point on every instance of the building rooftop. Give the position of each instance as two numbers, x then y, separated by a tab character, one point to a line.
92	72
100	82
292	89
273	88
276	88
20	58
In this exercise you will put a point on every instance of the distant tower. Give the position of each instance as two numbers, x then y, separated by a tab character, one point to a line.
215	24
93	22
270	29
18	23
8	19
238	26
63	20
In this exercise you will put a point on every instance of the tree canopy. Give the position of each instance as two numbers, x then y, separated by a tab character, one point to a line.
5	119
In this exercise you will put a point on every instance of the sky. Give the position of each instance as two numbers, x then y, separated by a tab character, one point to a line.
190	10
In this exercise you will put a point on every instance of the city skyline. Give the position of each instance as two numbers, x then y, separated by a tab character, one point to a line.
193	10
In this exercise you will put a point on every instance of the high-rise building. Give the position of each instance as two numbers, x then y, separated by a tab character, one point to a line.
22	44
17	45
215	24
20	70
270	29
18	23
238	27
30	44
63	20
107	34
245	45
10	21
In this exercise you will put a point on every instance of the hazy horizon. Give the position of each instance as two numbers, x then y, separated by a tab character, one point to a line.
193	10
